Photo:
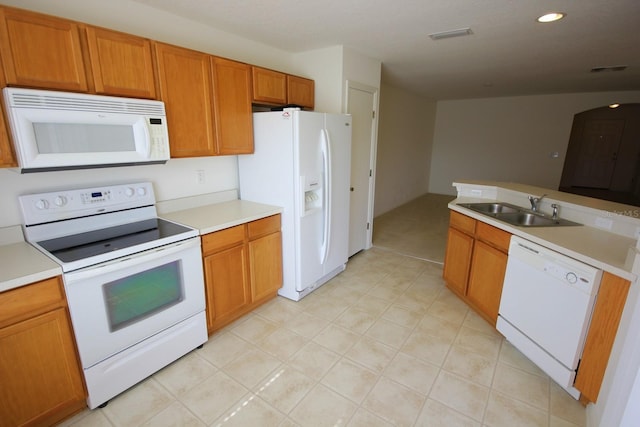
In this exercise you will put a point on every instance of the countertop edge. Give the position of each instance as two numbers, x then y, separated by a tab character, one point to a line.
518	231
218	216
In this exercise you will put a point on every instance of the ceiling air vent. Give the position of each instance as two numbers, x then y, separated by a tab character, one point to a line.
451	33
611	68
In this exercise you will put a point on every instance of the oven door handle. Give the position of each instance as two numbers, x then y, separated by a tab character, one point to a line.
130	260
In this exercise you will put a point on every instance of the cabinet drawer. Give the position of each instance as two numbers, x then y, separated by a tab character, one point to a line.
222	239
494	236
264	226
29	300
462	222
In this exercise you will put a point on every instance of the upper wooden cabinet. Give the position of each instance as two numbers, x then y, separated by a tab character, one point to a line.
121	63
300	91
186	89
269	87
276	88
7	156
41	51
232	106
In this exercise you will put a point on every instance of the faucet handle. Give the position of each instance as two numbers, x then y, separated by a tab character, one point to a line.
554	210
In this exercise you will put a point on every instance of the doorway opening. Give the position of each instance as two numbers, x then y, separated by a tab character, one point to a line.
603	155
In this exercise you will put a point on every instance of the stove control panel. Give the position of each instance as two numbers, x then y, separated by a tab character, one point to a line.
66	204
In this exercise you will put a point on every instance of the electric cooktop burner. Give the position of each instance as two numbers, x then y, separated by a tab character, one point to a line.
84	245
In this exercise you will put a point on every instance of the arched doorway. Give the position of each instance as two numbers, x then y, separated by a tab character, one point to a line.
603	156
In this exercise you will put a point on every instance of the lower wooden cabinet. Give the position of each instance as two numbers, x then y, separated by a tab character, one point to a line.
475	263
39	367
243	269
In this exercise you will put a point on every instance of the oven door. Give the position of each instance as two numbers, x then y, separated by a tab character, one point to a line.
116	304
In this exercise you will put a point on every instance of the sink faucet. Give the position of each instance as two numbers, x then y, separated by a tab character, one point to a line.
535	201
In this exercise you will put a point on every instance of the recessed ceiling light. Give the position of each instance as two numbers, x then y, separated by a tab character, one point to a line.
614	105
551	17
451	33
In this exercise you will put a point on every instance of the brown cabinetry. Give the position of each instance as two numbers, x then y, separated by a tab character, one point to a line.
276	88
41	51
39	369
232	106
269	87
300	91
121	63
603	328
7	156
185	87
207	100
243	269
475	263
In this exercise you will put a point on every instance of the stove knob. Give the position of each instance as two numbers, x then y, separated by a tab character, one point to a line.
571	277
60	201
42	204
142	191
129	192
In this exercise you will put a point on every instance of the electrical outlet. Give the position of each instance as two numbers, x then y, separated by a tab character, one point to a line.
200	177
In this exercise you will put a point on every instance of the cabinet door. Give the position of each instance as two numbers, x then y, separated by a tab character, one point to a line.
7	156
488	266
121	63
232	107
227	286
269	87
605	320
185	88
265	264
300	91
41	379
457	260
41	51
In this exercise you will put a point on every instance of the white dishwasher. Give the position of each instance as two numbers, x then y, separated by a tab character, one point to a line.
545	308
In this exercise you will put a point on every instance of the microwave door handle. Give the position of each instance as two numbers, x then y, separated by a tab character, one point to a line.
147	140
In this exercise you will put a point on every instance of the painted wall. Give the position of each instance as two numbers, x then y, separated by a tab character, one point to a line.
508	139
177	178
404	147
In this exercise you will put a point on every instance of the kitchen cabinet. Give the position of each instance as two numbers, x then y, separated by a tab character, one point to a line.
242	268
7	156
300	91
207	100
276	88
121	63
41	51
232	106
475	263
41	377
603	328
269	87
185	87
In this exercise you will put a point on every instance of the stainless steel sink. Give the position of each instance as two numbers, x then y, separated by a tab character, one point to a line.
492	208
516	215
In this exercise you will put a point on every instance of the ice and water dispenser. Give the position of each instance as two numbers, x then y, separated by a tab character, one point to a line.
312	188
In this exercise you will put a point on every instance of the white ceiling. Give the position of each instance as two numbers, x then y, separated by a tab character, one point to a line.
507	54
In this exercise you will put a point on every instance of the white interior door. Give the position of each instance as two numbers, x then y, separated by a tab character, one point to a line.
362	105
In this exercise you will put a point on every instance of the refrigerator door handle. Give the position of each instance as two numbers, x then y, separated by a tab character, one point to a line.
326	156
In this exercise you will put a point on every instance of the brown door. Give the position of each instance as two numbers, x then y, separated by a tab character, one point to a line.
596	160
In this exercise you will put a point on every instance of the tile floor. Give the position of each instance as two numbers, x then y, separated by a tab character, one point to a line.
383	344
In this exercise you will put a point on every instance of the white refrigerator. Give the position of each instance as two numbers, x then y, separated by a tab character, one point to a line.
302	162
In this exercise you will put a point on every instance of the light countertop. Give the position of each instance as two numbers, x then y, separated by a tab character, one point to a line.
22	264
599	248
215	217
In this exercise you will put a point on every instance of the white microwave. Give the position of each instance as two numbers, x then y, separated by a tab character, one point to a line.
61	130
